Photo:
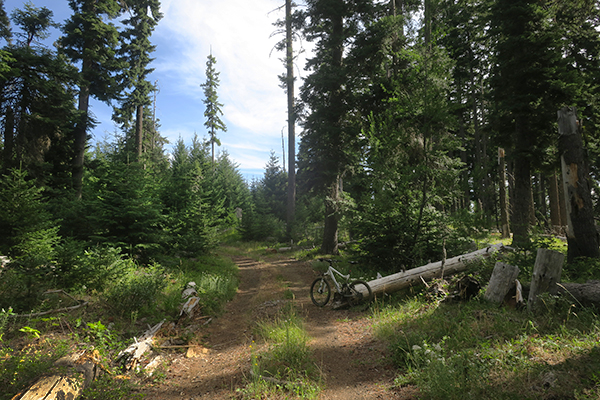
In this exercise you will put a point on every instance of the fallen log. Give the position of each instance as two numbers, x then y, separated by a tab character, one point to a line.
80	371
53	387
586	294
393	283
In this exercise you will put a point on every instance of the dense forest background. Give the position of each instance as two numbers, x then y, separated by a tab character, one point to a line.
404	112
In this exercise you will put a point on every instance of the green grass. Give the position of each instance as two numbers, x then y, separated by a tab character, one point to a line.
287	363
476	350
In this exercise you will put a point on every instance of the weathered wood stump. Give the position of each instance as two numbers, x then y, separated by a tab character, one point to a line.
502	280
581	231
546	274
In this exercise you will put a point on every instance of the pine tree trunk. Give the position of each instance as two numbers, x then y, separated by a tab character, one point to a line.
9	138
562	207
330	231
554	205
80	140
542	199
139	131
291	193
504	221
582	236
532	217
522	197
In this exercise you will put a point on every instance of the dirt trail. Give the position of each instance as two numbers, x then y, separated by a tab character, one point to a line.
352	362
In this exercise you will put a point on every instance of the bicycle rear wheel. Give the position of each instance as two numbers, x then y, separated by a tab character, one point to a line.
320	292
360	293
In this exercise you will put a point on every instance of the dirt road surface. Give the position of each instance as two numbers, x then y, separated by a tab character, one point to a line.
352	361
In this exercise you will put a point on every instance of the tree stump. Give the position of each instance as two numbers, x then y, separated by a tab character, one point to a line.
546	275
581	231
502	280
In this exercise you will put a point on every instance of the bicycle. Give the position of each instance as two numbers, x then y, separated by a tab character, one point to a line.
353	292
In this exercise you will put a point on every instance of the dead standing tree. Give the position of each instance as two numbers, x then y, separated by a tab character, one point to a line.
582	236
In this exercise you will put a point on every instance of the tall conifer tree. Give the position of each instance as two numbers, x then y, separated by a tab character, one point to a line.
326	142
136	49
213	111
89	39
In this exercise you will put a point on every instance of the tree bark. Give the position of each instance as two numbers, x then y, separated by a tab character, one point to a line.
393	283
582	236
291	193
542	205
80	136
504	220
586	294
554	205
330	231
562	207
522	176
9	138
502	280
67	384
546	274
139	131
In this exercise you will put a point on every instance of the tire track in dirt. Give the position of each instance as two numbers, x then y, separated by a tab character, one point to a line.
352	362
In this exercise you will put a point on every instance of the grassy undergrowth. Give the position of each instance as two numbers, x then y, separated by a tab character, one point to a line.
137	297
286	367
476	350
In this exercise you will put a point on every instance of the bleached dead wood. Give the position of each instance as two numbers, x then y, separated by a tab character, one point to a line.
502	280
190	295
79	373
546	274
53	387
401	280
131	356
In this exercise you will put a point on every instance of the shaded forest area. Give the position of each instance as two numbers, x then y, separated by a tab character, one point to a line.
404	110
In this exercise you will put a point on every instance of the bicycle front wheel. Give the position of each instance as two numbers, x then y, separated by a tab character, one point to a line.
320	292
360	293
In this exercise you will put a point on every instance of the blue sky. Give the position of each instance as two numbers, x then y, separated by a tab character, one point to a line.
238	32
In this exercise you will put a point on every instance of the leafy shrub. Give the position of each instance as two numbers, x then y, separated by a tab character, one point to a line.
136	291
92	268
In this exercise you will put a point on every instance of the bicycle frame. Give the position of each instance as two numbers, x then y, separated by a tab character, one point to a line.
330	272
345	292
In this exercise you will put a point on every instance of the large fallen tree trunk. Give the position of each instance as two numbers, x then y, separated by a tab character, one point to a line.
585	294
393	283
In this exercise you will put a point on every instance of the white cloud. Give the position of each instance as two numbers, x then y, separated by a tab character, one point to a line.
238	32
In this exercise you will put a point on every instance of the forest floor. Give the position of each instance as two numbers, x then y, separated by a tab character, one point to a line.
353	363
